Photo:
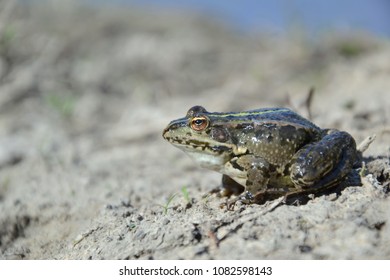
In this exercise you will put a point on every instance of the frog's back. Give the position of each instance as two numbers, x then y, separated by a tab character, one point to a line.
261	116
275	134
281	116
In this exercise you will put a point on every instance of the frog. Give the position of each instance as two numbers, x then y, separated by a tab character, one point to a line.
265	153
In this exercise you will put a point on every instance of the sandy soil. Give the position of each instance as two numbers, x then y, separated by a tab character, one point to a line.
85	173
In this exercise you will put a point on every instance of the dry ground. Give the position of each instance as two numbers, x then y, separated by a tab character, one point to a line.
85	173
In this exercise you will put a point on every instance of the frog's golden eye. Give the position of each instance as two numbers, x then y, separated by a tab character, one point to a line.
199	123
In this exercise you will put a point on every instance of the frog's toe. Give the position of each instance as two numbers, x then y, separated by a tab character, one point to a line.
230	203
245	198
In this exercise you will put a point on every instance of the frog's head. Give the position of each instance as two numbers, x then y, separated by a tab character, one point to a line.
202	135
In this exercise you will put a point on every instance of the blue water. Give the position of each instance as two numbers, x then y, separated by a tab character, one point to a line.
279	15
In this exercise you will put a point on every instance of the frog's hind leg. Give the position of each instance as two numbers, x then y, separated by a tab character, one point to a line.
324	164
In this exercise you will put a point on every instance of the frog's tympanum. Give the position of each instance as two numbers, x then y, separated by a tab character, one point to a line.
265	153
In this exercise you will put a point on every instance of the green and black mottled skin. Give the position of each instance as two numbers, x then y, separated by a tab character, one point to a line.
265	153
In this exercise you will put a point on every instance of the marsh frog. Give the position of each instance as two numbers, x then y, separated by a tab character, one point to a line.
265	153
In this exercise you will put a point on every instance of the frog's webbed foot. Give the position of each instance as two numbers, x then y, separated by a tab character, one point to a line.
264	196
297	198
246	198
275	197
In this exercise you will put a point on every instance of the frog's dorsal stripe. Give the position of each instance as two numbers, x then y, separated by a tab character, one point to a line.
248	113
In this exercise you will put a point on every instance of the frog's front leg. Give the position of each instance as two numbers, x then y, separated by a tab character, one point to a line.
325	163
256	171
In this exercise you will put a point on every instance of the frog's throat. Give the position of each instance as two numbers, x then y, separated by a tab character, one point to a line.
212	158
209	161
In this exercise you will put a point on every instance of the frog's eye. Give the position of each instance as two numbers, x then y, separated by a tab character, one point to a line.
195	110
199	123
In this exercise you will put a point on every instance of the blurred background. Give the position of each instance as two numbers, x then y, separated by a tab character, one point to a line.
283	15
94	65
100	73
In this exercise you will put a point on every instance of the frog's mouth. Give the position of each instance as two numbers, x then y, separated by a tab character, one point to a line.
200	146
